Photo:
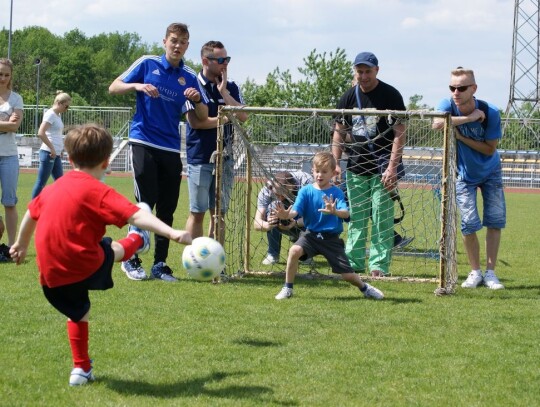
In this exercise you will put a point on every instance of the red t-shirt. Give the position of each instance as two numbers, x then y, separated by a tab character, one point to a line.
72	215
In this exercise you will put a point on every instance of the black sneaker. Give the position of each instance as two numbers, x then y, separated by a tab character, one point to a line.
4	253
163	272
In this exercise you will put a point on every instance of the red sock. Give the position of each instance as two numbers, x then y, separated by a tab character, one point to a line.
131	244
78	340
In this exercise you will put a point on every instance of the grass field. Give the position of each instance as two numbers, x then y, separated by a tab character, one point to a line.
199	344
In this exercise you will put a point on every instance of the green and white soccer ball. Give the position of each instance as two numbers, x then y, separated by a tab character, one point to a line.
204	259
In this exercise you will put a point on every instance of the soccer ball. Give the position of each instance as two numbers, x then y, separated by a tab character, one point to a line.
204	259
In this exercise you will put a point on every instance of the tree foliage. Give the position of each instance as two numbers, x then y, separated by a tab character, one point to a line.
73	63
325	77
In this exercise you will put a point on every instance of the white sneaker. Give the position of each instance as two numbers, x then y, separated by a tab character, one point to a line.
133	269
372	292
78	377
492	282
473	280
268	260
285	293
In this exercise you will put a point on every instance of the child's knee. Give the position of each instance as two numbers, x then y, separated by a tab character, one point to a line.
295	252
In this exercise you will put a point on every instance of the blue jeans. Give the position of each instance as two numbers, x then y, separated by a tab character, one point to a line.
494	205
274	235
9	176
47	166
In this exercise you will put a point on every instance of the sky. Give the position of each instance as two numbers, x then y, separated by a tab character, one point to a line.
417	42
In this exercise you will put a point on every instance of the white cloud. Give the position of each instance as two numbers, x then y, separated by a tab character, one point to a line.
417	41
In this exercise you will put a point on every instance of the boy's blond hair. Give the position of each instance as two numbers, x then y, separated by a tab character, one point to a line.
88	145
324	159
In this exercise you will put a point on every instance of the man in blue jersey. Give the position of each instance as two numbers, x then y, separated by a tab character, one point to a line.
165	89
477	130
201	141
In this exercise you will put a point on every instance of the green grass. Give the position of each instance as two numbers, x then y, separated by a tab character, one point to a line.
198	344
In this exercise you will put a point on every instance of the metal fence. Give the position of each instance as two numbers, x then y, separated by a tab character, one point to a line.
519	147
116	119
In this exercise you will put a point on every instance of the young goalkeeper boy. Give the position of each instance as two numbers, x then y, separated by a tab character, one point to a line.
322	206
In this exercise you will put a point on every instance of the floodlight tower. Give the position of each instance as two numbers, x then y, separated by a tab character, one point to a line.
525	83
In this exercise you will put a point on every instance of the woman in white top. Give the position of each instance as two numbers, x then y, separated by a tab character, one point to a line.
51	132
11	115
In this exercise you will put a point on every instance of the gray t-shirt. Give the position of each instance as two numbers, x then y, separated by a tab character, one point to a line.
8	143
266	196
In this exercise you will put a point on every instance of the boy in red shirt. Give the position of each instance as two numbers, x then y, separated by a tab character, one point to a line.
70	218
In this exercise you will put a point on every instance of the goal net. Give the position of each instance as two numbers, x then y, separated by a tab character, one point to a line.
276	141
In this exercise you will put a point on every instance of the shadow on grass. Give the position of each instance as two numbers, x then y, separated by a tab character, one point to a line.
386	300
257	343
194	388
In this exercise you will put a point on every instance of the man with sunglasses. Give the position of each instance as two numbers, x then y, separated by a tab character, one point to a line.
201	141
477	130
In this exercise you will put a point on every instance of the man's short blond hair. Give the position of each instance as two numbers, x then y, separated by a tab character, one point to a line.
460	71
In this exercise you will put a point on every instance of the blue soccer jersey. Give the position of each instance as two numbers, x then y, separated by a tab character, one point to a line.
156	120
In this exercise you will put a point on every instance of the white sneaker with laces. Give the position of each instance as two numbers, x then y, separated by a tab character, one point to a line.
78	377
133	269
268	260
492	282
372	292
285	293
474	279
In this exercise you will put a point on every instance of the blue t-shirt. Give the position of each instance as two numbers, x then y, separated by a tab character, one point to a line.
473	166
156	120
310	200
201	143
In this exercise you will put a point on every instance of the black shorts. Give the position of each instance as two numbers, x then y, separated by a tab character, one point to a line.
330	245
72	300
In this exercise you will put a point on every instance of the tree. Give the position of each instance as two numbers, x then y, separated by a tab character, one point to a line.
324	79
414	103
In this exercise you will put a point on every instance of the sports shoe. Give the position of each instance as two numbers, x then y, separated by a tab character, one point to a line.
492	282
285	293
268	260
4	253
78	377
163	272
133	269
400	242
473	280
372	292
144	234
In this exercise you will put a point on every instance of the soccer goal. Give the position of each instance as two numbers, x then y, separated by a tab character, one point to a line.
274	140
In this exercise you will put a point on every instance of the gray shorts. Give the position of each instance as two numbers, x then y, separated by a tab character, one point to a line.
330	245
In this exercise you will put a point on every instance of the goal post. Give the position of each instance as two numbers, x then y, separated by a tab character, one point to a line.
275	140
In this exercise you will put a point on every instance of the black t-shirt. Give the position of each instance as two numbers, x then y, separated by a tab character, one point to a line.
366	154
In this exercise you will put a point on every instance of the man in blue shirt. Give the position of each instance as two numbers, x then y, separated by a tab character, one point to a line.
201	141
478	130
166	89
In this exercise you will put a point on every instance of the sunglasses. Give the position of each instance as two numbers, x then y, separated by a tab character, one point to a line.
220	60
459	88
